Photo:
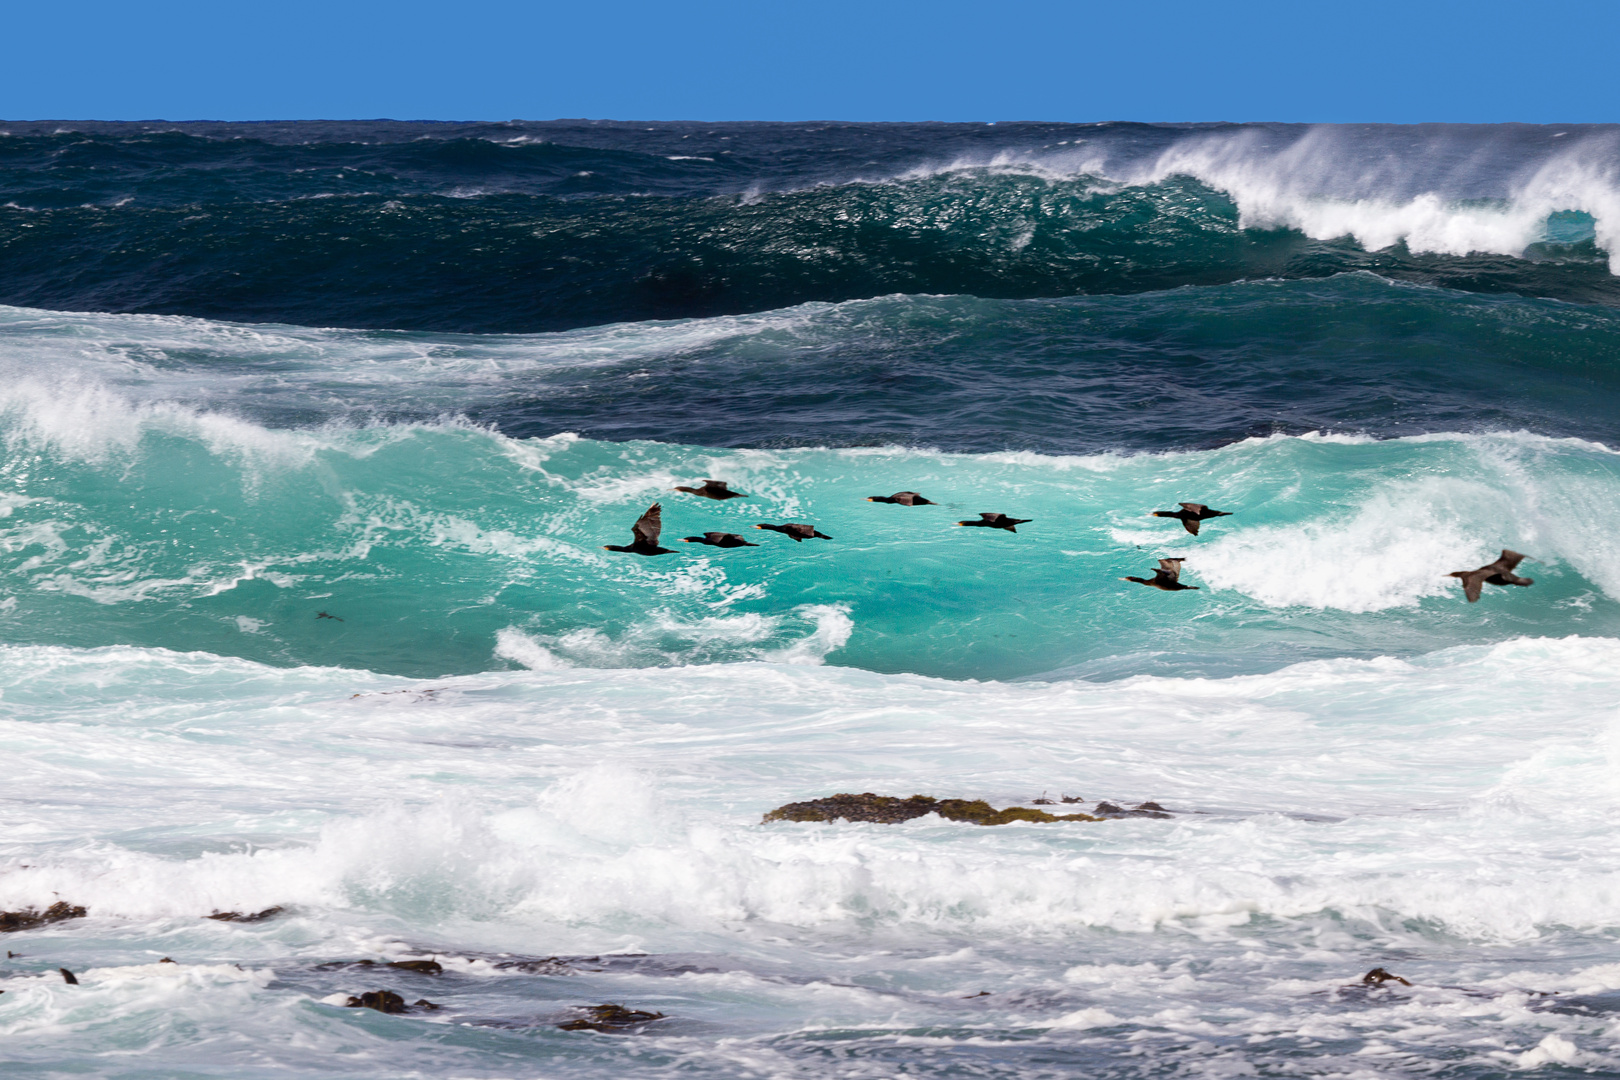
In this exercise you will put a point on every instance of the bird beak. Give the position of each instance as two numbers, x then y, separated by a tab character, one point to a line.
759	526
684	540
870	499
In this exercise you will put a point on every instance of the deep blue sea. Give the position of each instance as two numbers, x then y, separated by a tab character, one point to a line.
314	434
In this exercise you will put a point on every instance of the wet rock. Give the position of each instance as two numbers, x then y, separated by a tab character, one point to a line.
424	1003
421	967
1147	810
237	916
891	810
385	1001
1072	799
28	918
68	977
609	1018
1378	977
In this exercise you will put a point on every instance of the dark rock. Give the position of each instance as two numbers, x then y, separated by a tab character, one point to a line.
385	1001
237	916
1072	799
67	977
421	967
165	960
1147	810
424	1003
1378	977
891	810
550	965
609	1018
980	994
28	918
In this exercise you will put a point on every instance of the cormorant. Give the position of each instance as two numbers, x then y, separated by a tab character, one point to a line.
713	489
1191	514
903	498
799	533
1166	577
645	530
996	521
1499	572
718	539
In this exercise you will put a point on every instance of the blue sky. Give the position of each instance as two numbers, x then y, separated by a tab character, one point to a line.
1483	61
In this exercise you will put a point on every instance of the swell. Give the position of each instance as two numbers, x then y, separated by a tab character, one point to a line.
471	234
1183	369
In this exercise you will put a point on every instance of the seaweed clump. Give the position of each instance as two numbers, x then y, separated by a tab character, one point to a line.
28	918
891	810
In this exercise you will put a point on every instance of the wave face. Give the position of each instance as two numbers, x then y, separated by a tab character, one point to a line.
200	486
319	621
526	227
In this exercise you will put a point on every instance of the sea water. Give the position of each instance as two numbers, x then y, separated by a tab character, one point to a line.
320	619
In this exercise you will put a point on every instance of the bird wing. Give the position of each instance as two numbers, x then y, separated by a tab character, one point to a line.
715	537
649	525
1194	508
1169	569
992	517
719	484
1508	561
1473	583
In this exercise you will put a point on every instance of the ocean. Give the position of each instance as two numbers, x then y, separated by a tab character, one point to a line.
314	434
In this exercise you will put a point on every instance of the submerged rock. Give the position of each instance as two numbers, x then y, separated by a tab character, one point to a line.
382	1000
1147	809
237	916
609	1018
421	967
891	810
28	918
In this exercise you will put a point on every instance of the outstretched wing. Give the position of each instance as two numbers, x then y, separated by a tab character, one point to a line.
1473	582
992	517
1169	569
1194	508
717	484
1508	562
715	537
649	525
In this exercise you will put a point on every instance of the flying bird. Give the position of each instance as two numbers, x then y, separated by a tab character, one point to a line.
718	539
902	498
713	489
996	521
645	530
1499	572
1166	577
799	533
1191	514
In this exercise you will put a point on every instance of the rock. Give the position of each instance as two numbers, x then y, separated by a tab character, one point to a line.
609	1018
1147	810
891	810
28	918
422	967
1378	977
385	1001
237	916
68	977
424	1003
